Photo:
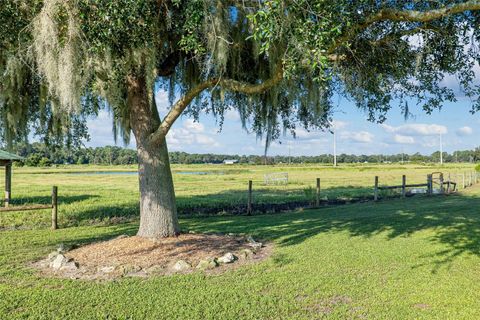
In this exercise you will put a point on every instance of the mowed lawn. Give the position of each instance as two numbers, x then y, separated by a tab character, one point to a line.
417	258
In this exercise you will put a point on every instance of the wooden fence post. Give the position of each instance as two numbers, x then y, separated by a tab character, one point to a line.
317	203
404	188
250	187
463	180
54	207
8	184
375	193
442	190
429	184
449	182
470	180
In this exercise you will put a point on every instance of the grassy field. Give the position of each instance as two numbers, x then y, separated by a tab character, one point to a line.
87	197
416	258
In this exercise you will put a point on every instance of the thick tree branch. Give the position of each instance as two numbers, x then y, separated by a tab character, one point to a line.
404	16
228	84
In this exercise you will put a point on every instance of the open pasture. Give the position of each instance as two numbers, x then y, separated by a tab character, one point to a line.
100	194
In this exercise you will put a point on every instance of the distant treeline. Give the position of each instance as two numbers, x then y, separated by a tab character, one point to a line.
38	154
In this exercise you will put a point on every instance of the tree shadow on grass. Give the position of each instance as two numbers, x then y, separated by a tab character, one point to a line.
454	219
226	203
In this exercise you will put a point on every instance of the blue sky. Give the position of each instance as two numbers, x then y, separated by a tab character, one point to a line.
355	135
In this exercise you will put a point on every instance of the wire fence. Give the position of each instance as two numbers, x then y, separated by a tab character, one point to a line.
239	196
228	193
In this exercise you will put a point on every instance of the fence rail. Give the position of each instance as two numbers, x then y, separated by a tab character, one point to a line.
437	179
53	206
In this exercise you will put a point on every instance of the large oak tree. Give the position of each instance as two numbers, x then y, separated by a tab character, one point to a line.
277	62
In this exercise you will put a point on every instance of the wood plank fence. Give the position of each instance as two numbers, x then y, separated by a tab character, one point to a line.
53	206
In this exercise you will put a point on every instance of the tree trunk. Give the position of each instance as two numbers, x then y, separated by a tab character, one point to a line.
158	211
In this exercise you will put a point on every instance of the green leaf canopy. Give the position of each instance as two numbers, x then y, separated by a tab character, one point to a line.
277	62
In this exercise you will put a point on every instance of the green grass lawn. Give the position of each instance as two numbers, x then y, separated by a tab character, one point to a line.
417	258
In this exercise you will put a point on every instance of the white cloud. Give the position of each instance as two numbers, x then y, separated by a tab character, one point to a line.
339	125
360	136
398	138
161	100
232	115
206	140
190	134
464	131
431	142
416	129
301	133
100	130
192	126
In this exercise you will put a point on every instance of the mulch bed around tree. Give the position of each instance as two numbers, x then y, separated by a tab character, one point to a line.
141	257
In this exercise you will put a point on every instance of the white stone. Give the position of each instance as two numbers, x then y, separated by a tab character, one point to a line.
247	253
62	248
181	265
256	246
52	255
227	258
69	266
207	264
107	269
58	262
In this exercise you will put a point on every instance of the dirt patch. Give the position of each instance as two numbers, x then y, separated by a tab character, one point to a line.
141	257
328	306
422	306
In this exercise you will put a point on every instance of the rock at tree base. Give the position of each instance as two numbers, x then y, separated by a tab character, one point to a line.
52	256
156	269
69	266
62	248
256	246
58	262
207	264
214	255
181	265
127	269
107	269
247	254
227	258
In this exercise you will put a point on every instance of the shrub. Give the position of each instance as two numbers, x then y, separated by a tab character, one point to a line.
477	168
33	160
18	164
44	162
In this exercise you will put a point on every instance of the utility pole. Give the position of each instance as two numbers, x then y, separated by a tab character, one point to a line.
334	148
289	153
